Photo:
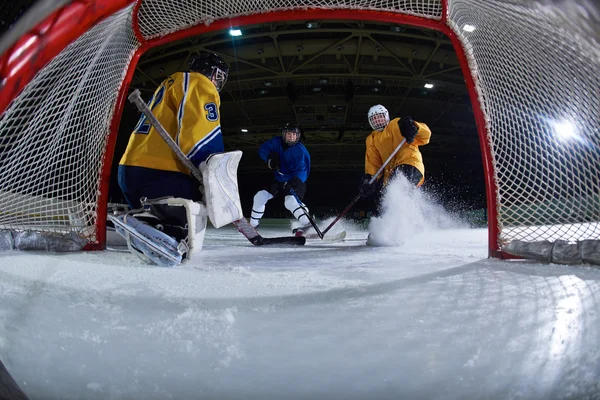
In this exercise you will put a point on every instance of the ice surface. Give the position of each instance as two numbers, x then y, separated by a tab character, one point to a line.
432	319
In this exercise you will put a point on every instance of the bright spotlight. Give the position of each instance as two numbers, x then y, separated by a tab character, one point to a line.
235	32
244	130
429	86
564	130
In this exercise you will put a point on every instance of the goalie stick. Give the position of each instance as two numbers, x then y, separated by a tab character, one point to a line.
241	224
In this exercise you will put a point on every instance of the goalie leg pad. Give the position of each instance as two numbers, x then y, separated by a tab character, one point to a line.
184	219
221	193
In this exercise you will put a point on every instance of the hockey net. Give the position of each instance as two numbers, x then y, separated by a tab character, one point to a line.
530	71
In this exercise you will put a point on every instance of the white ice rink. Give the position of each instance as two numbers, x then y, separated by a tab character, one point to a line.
436	320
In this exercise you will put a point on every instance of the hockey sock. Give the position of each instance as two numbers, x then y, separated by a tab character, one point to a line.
258	206
297	209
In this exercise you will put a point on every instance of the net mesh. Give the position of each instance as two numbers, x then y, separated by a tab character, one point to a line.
159	17
535	75
54	133
538	87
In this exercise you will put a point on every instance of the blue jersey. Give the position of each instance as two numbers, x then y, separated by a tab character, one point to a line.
293	160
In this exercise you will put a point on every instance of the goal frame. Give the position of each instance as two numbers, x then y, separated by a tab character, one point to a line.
33	51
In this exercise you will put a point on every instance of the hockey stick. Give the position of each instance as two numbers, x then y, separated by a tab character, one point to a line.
358	196
241	224
312	221
9	389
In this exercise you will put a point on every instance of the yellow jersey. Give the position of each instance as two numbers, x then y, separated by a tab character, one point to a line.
380	145
187	105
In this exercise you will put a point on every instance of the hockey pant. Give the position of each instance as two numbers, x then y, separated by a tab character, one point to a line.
261	198
412	174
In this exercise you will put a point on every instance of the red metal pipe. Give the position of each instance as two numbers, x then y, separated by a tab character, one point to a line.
20	63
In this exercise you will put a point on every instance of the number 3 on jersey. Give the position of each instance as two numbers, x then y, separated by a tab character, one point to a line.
212	112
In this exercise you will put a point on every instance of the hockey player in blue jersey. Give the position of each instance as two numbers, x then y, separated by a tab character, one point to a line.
290	162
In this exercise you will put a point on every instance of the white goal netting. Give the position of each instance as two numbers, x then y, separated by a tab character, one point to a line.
535	76
539	94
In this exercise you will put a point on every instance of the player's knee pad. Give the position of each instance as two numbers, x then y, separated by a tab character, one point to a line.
261	198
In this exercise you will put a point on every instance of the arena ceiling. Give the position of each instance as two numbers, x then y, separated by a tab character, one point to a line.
324	75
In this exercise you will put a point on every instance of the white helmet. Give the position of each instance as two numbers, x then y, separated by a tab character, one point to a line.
379	117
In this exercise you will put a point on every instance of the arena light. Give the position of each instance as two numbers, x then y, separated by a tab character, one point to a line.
235	32
244	130
468	28
564	130
428	86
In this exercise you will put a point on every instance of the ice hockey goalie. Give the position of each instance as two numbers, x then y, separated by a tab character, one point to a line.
168	231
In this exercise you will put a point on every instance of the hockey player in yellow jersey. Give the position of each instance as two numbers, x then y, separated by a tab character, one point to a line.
187	105
382	142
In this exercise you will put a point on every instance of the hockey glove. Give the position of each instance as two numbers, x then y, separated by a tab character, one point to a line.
408	129
292	184
273	161
366	189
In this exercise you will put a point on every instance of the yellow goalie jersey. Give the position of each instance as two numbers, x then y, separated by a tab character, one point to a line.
187	105
380	145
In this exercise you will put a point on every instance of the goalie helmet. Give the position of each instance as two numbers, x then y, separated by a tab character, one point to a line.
290	134
213	67
379	117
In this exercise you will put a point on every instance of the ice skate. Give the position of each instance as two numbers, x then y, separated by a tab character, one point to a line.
302	230
370	240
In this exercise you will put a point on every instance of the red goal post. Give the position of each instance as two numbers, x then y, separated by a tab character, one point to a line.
65	82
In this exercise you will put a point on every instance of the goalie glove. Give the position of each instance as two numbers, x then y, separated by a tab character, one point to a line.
408	129
366	189
273	161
